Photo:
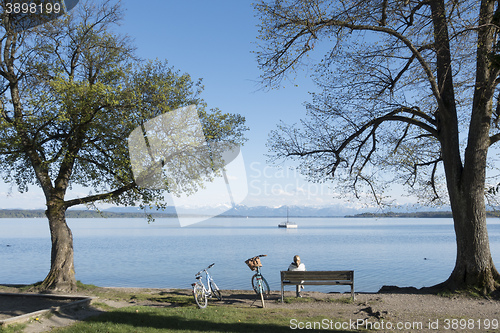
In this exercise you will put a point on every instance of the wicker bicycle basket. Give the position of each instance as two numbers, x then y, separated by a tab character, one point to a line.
253	263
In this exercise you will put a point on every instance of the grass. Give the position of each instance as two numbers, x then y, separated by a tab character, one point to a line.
292	300
173	296
471	292
176	311
182	315
189	319
15	328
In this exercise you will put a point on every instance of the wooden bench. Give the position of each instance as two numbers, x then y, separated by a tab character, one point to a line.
316	278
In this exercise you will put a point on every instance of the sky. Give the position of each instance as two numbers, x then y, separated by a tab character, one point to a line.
216	40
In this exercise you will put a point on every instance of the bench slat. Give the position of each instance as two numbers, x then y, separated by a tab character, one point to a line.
317	275
318	283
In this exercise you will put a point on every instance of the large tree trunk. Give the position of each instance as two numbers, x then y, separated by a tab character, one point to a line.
474	266
62	272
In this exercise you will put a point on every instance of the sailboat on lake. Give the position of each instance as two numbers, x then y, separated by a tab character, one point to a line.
287	224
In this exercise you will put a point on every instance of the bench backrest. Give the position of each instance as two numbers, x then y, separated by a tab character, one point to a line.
317	275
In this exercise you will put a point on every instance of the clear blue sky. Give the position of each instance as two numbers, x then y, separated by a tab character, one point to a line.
214	40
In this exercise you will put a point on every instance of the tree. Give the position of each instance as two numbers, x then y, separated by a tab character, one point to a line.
72	93
408	88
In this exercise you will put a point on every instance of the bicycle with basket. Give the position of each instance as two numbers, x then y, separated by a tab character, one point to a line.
259	283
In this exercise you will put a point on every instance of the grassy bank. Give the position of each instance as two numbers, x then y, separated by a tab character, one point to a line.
176	311
188	319
153	310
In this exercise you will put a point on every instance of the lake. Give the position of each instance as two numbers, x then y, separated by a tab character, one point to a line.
133	253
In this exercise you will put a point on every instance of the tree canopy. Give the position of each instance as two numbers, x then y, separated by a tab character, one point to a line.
378	89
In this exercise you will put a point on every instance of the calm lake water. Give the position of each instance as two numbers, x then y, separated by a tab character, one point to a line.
133	253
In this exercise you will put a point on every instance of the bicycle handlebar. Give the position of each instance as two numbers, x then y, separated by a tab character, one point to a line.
260	255
199	273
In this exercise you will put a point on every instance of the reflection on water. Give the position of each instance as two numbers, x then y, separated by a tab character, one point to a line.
131	252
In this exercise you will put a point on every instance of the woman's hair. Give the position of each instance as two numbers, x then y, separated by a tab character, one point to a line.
296	259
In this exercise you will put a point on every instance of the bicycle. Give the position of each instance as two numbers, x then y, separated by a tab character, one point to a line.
259	283
201	293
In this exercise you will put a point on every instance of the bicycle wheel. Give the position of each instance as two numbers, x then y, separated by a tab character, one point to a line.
215	290
199	296
265	285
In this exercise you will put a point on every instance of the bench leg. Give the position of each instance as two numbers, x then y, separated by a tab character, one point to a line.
282	292
352	292
297	290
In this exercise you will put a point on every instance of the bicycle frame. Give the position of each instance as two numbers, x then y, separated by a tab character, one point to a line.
259	278
208	278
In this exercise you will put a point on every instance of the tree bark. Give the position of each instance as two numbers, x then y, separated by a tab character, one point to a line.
61	276
474	266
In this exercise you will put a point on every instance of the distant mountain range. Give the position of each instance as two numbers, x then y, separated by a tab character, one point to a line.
240	211
336	210
244	211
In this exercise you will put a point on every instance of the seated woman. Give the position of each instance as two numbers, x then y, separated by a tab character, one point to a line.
296	265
